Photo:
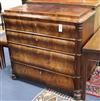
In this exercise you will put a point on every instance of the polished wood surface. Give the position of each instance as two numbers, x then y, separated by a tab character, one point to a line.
62	46
44	59
93	4
94	43
52	12
51	9
45	43
51	78
72	2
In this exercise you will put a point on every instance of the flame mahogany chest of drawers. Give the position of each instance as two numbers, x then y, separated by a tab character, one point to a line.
45	43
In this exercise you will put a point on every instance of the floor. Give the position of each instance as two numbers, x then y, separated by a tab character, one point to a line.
17	90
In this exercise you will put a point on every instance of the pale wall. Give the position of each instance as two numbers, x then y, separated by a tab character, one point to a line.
6	4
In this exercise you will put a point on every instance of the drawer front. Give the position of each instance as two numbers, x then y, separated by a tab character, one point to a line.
45	28
45	59
52	44
49	78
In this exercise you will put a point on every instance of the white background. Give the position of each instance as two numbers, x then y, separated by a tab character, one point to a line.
6	4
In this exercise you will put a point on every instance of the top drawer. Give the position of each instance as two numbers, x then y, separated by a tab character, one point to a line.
45	28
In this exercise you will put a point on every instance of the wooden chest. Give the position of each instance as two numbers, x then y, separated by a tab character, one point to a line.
45	43
93	4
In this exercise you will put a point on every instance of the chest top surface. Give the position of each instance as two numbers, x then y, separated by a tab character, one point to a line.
51	9
93	3
53	12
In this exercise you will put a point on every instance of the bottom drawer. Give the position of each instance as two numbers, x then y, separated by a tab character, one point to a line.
46	77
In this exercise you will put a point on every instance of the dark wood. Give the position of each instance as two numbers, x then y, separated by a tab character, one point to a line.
45	43
91	53
3	42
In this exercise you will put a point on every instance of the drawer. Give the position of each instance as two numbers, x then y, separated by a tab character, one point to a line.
45	28
45	59
52	44
49	78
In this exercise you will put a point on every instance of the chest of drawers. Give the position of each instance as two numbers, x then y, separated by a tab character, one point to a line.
45	42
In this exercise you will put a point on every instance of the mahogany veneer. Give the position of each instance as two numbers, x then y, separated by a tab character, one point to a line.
45	42
93	4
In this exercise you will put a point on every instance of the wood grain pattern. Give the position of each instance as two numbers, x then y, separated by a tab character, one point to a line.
51	12
35	41
93	4
48	78
71	2
50	9
46	43
44	59
43	28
